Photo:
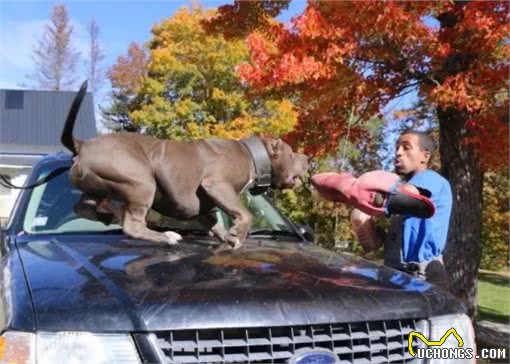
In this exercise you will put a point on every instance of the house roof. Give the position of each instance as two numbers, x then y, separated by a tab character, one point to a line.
31	121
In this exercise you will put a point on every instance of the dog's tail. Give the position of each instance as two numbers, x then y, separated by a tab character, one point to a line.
67	138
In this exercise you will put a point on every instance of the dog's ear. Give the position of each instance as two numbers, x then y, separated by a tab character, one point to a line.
274	146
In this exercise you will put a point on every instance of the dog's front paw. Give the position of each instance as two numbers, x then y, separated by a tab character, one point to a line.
173	237
233	241
218	232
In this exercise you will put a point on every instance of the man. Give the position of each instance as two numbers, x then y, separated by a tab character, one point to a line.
413	244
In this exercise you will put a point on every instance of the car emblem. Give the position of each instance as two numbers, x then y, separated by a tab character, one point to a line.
314	356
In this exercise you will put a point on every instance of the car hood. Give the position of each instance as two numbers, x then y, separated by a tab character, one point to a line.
110	283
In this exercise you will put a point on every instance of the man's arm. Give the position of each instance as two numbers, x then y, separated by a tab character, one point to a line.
368	234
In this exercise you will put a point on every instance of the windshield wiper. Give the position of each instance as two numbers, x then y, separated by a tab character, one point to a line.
111	232
274	233
94	232
182	231
77	232
191	231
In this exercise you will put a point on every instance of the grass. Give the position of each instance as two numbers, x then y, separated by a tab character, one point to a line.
494	297
493	304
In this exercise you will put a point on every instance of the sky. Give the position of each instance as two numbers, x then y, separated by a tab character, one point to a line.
120	22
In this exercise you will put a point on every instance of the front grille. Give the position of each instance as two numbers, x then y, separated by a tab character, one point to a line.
362	342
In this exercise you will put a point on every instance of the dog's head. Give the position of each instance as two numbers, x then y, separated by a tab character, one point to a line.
288	168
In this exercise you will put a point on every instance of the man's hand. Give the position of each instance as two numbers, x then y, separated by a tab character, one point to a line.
365	231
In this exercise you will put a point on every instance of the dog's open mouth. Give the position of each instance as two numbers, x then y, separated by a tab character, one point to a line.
294	181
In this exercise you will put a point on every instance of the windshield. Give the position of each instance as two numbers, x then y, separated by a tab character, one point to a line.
51	210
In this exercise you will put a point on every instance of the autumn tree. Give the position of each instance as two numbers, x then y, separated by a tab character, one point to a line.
126	77
95	72
55	58
496	219
191	89
342	58
128	73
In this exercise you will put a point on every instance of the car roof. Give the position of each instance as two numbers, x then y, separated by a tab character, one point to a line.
58	158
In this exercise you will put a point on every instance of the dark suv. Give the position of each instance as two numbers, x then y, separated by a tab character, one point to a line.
78	291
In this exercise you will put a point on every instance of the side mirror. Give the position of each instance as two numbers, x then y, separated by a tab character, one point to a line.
307	232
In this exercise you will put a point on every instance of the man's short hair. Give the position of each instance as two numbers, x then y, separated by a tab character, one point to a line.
426	140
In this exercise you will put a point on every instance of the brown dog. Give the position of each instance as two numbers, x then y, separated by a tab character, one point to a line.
177	179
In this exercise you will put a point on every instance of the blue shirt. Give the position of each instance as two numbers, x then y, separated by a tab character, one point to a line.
424	239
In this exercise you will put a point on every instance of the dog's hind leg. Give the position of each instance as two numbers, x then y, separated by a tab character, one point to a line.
138	195
135	226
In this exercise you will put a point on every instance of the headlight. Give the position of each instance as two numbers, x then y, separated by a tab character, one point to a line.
67	347
17	348
441	344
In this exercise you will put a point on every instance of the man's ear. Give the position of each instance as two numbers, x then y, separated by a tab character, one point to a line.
426	157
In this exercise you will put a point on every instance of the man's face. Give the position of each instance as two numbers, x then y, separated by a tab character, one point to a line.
409	156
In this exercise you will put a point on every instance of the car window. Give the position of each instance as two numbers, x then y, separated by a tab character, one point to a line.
51	209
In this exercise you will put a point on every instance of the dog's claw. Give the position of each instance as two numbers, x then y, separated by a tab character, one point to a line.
233	241
218	232
173	237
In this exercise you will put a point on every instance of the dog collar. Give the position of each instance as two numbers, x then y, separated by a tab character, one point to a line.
262	164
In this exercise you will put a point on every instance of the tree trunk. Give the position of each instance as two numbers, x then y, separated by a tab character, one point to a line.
460	165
